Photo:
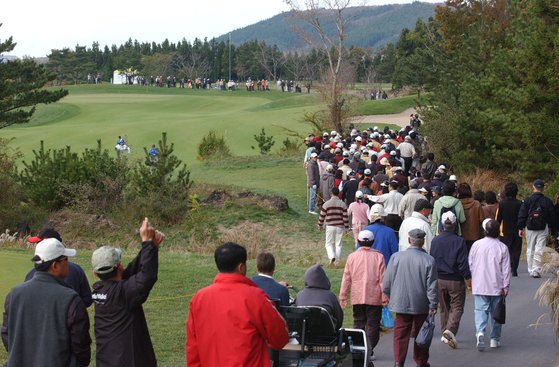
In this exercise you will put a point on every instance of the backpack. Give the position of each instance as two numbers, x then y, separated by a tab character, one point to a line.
444	210
536	217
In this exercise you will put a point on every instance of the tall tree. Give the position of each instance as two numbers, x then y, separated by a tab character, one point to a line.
21	87
336	76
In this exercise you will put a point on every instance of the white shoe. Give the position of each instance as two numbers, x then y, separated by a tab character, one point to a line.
451	339
480	345
495	343
444	340
313	212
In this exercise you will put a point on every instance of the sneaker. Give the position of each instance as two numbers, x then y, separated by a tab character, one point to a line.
495	343
313	212
536	275
372	357
444	340
332	261
449	336
480	345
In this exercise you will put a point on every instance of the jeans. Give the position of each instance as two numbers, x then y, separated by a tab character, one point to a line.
312	199
535	244
483	311
333	243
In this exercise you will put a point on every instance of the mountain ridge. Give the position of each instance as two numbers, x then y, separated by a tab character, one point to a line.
369	26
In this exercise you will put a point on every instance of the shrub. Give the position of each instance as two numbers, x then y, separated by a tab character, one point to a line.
160	186
59	178
265	143
290	147
213	146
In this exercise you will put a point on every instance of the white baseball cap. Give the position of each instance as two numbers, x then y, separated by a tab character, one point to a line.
50	249
448	216
365	235
358	194
377	212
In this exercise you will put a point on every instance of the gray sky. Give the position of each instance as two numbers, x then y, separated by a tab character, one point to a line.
39	26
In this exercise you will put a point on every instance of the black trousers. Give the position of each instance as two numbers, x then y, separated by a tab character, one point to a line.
514	244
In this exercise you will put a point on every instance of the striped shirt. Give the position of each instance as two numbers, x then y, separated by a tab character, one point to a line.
334	213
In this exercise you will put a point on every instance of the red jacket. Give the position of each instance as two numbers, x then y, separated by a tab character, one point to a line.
231	323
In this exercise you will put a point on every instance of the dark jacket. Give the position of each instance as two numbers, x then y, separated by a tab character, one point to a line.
531	201
121	331
313	176
317	293
451	256
507	215
273	289
348	191
45	324
76	279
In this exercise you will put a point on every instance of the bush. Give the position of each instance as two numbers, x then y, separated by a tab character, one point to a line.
265	143
213	146
159	187
59	178
290	147
14	208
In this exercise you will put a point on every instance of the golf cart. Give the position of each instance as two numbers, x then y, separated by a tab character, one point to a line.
314	341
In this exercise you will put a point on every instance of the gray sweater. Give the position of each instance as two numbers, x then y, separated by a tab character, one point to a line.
410	282
45	324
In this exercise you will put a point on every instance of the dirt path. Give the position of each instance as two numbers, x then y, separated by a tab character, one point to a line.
401	119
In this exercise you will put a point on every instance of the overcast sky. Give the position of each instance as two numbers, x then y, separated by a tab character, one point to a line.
39	26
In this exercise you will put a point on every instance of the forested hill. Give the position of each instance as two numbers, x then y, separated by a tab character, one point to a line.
369	26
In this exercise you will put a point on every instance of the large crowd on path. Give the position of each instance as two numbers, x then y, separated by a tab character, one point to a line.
422	238
430	235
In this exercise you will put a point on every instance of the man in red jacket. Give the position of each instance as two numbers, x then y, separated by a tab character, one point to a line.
232	322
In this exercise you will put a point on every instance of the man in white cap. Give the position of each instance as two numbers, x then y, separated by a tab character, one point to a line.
45	322
363	277
313	180
121	332
385	238
451	256
408	153
327	182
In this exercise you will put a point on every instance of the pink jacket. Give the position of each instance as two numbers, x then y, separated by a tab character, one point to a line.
359	212
364	273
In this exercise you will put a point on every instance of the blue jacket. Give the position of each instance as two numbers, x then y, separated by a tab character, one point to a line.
451	256
273	289
385	240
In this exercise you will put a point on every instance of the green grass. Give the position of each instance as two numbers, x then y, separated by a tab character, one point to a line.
387	106
141	114
180	276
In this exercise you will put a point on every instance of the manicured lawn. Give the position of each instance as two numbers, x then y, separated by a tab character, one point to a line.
140	114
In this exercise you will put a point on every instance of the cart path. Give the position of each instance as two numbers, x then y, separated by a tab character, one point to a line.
401	119
523	344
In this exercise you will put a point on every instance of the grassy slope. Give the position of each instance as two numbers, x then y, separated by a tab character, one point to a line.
92	112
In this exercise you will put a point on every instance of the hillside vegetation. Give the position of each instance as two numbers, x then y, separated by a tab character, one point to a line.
369	26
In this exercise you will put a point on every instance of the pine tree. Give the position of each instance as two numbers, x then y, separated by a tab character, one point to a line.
21	87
